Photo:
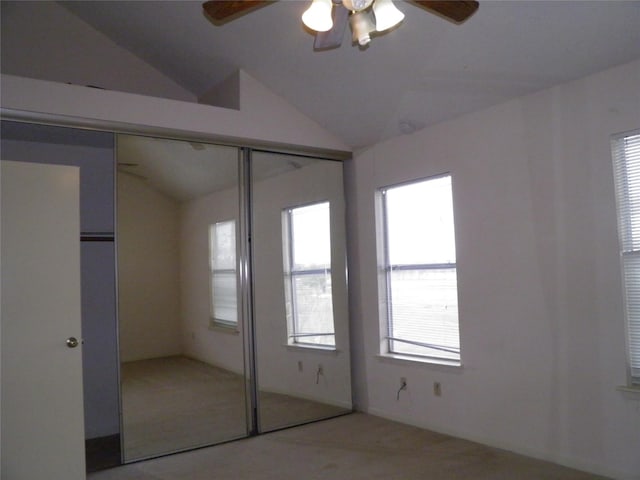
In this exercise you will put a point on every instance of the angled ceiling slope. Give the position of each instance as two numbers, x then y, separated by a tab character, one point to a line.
426	71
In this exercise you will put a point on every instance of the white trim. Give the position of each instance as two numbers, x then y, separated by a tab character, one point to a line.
404	359
313	348
223	328
633	389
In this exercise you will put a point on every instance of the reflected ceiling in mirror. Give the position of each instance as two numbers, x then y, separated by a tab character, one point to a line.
183	170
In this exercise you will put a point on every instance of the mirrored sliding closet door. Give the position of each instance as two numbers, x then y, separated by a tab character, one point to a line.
300	291
181	336
213	278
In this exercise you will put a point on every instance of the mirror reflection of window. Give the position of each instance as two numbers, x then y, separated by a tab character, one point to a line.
222	264
183	381
307	275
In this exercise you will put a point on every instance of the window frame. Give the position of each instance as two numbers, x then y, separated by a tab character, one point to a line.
386	268
294	336
214	322
624	224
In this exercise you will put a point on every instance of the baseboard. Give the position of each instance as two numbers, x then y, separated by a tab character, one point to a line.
563	460
334	403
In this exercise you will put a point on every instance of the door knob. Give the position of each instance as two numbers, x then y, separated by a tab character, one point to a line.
72	342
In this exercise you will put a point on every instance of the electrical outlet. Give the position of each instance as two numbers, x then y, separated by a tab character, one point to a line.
437	389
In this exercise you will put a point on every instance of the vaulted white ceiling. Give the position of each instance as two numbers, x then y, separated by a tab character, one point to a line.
426	71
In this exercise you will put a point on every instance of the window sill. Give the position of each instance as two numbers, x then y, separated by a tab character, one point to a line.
408	359
633	389
313	348
219	327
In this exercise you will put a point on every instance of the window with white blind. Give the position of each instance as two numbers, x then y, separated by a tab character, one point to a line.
626	161
420	270
307	275
222	268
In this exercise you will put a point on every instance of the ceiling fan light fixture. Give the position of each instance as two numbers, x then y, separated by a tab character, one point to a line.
361	26
356	5
387	15
318	16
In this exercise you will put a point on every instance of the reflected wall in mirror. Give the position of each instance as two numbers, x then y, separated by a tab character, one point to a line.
181	345
300	291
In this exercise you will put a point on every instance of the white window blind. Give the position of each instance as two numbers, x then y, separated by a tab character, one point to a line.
420	269
222	266
307	275
626	160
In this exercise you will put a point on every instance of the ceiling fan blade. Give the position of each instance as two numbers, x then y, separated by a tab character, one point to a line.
455	10
333	37
222	11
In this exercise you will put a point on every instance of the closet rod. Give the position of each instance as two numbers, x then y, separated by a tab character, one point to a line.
97	237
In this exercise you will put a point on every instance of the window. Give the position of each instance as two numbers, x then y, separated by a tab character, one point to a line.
420	270
307	275
626	160
222	267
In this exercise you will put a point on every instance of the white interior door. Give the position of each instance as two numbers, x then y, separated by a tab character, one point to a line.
41	391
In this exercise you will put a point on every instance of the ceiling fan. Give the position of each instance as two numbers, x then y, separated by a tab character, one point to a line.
329	18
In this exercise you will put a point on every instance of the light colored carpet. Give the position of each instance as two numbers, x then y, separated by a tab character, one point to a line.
176	403
351	447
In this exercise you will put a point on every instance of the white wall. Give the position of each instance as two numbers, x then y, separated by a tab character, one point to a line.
214	346
148	269
60	47
540	298
259	122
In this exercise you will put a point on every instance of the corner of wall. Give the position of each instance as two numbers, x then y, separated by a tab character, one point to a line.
225	94
269	108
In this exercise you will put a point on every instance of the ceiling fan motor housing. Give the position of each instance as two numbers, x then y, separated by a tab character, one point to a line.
357	5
